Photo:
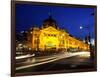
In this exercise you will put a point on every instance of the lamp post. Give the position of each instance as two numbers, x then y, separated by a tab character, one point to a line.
92	52
81	27
89	41
89	37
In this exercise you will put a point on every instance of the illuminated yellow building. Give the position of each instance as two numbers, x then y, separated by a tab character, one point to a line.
51	37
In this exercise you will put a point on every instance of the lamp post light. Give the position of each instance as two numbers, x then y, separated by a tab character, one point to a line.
81	27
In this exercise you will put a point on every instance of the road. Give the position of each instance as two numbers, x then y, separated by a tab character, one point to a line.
61	61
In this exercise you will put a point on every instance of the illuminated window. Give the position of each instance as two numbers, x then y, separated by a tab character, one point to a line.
54	35
45	34
48	34
35	34
62	41
35	41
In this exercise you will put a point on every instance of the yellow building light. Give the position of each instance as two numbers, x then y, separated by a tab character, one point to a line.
51	37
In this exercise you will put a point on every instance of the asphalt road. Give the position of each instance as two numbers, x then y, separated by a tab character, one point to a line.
55	62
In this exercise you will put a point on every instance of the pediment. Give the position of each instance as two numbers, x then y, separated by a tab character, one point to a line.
50	29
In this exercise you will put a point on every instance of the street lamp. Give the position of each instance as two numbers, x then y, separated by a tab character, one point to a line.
88	28
89	41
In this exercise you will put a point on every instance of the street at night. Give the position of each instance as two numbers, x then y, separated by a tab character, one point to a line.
62	61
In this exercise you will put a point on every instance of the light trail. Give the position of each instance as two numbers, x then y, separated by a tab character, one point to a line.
57	57
25	56
36	60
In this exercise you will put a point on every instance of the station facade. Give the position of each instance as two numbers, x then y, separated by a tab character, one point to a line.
51	37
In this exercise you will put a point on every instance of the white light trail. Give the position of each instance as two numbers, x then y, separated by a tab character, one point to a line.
25	56
57	57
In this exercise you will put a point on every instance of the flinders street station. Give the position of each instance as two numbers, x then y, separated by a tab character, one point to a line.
49	37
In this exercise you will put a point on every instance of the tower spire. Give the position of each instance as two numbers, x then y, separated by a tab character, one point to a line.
50	16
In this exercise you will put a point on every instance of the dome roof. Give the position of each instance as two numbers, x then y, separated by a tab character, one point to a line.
49	22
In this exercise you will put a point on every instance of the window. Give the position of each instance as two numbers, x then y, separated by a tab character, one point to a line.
54	35
35	34
62	41
35	41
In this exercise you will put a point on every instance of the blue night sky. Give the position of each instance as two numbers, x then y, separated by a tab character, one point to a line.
68	18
